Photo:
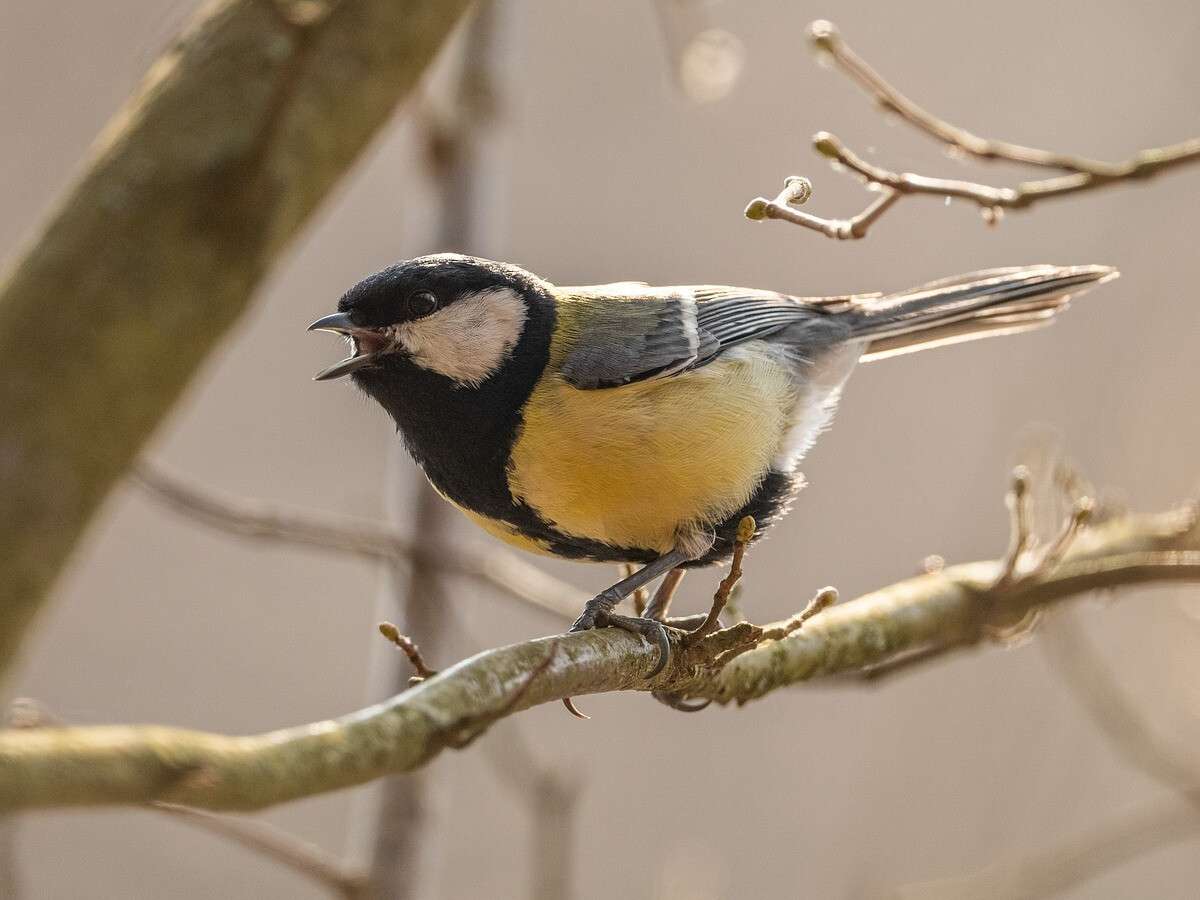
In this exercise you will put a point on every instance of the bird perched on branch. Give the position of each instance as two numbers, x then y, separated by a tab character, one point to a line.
637	424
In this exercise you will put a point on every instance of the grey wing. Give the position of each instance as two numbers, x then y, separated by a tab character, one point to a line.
667	331
626	338
735	315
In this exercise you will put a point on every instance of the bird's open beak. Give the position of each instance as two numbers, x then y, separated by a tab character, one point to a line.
365	342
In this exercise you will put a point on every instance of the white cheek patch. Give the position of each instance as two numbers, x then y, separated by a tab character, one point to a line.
469	339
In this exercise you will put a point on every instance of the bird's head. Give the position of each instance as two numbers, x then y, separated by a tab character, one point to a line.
459	317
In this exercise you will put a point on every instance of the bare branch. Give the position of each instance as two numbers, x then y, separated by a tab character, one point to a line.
1116	715
303	857
827	39
1059	866
797	190
552	798
1055	868
1089	677
405	814
1021	564
1081	174
745	534
253	519
306	858
932	612
1020	529
193	189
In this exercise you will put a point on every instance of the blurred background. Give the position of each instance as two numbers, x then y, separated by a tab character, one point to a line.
624	140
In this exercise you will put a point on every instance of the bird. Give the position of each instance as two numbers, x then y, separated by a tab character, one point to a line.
626	423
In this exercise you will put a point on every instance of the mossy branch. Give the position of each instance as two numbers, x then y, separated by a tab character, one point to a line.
955	607
191	192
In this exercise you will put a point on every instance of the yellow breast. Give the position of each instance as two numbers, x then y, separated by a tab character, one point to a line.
633	465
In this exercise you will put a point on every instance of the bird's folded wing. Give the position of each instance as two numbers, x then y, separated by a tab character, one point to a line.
620	337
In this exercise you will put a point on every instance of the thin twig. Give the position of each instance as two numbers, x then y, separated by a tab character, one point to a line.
1081	174
1019	563
552	798
826	38
1089	677
1020	532
497	569
410	649
1049	870
267	840
712	620
745	533
410	808
783	207
821	601
1058	866
402	830
1129	732
1019	566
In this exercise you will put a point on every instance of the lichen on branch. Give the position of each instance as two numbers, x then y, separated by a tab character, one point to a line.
933	613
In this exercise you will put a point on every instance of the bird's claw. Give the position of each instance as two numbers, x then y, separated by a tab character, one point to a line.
595	609
679	701
652	630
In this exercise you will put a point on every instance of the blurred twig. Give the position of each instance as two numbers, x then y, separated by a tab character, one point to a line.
405	819
936	612
1064	864
1081	174
552	798
265	839
192	191
1089	677
246	518
1024	562
1091	681
1057	867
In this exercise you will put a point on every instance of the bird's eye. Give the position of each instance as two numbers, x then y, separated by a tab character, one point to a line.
422	303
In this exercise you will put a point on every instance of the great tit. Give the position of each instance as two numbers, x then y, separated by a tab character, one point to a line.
637	424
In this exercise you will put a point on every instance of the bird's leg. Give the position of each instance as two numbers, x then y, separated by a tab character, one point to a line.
598	611
658	608
641	596
661	604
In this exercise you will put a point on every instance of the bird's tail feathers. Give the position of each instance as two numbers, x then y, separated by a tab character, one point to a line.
982	304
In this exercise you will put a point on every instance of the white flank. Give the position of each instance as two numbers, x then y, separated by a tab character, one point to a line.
819	387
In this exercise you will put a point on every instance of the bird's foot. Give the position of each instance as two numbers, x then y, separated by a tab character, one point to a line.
689	625
598	614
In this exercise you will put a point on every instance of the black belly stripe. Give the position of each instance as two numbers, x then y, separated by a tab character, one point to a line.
768	505
463	437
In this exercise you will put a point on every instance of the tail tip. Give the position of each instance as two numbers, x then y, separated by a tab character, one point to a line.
1099	274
